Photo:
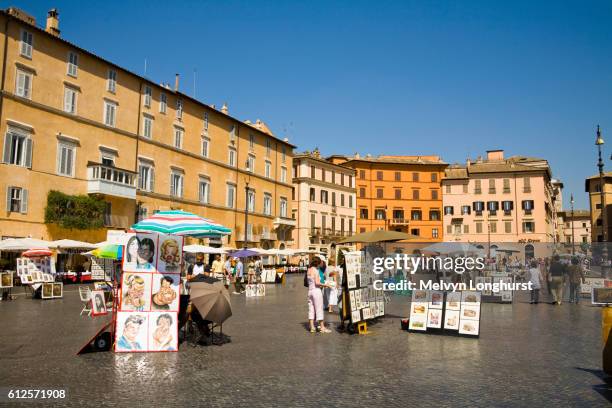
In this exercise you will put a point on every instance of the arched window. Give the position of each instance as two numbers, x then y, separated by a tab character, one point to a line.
529	252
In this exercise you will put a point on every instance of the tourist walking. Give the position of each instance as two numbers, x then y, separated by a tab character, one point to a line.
576	277
315	297
238	276
217	267
227	272
251	272
557	273
535	278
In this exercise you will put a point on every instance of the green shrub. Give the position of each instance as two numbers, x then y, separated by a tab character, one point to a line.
74	211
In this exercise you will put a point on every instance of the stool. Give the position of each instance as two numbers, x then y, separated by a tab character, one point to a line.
362	328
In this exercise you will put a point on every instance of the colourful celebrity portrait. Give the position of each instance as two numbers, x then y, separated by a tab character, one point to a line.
134	293
162	338
170	256
129	337
140	254
166	293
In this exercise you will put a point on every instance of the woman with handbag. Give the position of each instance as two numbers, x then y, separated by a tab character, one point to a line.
315	297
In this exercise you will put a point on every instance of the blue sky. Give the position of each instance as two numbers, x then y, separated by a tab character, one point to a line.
398	77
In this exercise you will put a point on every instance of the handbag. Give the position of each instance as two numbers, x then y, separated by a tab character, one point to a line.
306	279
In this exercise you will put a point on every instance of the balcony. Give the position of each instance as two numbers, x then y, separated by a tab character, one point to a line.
112	181
116	221
399	221
268	236
284	222
251	237
315	231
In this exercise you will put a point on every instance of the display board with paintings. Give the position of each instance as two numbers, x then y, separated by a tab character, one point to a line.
147	317
35	270
502	296
101	269
445	312
365	302
52	290
6	279
255	290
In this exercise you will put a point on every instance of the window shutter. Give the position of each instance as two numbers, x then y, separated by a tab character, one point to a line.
8	198
28	158
24	201
67	100
151	185
8	138
181	188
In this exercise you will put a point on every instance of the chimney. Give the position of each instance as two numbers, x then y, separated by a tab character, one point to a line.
53	23
225	109
495	155
176	82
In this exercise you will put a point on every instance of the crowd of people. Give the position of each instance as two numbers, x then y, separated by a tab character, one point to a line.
231	271
323	281
555	275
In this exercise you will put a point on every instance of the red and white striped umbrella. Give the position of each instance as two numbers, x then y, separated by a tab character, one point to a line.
34	252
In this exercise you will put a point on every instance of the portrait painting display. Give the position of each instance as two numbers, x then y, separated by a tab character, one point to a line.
136	292
6	279
98	304
140	253
451	320
437	299
163	331
169	255
453	300
418	308
470	312
434	318
355	316
353	302
132	331
470	296
26	278
47	291
250	291
470	327
418	323
58	289
420	296
165	292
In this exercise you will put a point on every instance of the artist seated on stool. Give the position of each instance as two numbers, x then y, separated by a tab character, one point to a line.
197	269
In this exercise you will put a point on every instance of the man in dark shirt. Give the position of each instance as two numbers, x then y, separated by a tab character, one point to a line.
557	273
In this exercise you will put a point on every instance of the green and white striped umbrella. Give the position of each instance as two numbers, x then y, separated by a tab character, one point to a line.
178	222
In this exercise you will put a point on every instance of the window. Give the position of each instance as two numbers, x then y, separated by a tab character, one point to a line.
23	84
268	169
283	154
398	214
231	195
147	126
142	213
363	213
323	223
324	197
434	194
508	227
341	200
379	193
205	146
528	226
178	137
398	176
362	192
415	231
147	96
491	186
206	121
333	176
111	81
361	174
493	227
16	200
465	189
204	190
448	189
342	226
267	204
398	193
163	103
110	113
506	186
176	183
26	44
70	100
479	227
283	177
434	215
250	163
350	226
323	176
350	201
448	210
416	215
379	214
250	200
415	176
526	185
527	206
478	207
17	148
283	207
232	133
379	175
434	178
66	153
232	157
341	179
449	229
434	232
477	186
73	63
507	206
465	210
251	141
415	194
493	206
179	109
268	147
146	177
312	194
466	229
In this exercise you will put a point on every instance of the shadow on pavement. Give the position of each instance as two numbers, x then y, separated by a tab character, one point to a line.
605	389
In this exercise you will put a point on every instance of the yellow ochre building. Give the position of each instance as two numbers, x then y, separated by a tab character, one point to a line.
74	122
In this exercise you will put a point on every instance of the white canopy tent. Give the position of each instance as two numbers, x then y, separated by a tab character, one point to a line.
71	244
22	244
203	249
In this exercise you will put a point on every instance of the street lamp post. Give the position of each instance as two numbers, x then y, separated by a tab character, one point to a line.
246	215
604	224
572	221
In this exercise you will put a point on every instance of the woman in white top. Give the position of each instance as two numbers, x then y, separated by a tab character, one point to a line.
535	278
331	292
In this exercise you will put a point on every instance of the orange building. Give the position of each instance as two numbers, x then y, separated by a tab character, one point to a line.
399	193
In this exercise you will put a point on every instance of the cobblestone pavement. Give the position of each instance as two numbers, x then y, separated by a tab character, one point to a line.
527	355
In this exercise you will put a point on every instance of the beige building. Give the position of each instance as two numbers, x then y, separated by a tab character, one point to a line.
324	202
77	123
499	199
592	187
580	220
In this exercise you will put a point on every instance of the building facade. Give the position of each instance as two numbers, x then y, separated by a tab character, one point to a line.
578	224
324	202
79	124
500	200
592	187
400	193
